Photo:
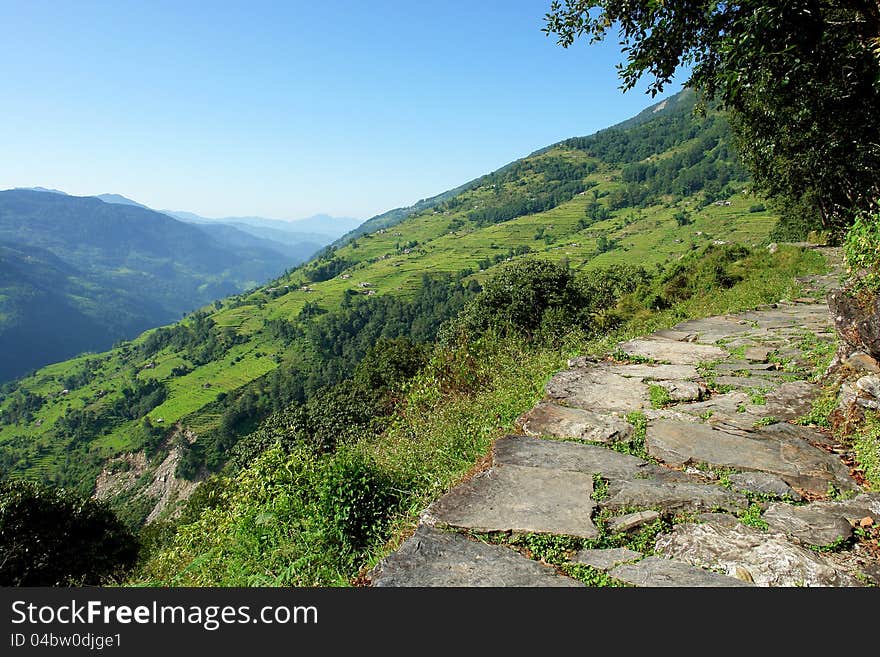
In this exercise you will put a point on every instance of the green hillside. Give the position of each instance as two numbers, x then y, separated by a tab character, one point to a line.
646	192
78	274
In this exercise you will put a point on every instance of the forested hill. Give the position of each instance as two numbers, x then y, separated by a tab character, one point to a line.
79	274
646	192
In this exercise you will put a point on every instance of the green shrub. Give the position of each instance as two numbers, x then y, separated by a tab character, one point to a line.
53	537
518	295
354	498
862	250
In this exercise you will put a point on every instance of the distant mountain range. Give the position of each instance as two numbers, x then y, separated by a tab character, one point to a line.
79	273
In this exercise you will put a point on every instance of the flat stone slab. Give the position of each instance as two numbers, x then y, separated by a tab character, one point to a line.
743	382
660	572
547	419
764	484
672	351
683	391
723	519
605	559
434	558
790	400
557	455
757	354
671	496
630	521
768	558
759	369
812	526
519	499
649	372
712	329
599	390
795	461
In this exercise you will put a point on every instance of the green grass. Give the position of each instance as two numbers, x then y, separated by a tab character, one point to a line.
866	444
659	395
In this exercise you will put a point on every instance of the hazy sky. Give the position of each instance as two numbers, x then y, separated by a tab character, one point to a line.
286	109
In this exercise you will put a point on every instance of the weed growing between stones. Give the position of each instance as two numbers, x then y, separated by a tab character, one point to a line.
751	516
660	397
636	446
600	488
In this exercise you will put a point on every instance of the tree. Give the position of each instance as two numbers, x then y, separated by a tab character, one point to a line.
800	80
53	537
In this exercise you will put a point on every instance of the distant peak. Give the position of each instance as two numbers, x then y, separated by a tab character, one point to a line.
118	199
45	190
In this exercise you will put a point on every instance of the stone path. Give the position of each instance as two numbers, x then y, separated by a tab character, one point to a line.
715	446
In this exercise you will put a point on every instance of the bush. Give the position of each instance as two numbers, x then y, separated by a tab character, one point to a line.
354	498
53	537
517	296
862	250
389	363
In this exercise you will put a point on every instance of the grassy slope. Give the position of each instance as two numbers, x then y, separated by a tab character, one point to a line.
270	530
645	236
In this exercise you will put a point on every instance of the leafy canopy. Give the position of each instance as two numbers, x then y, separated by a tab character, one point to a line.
801	81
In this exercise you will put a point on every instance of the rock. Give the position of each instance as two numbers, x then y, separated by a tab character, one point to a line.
683	391
596	389
555	455
869	385
605	559
547	419
519	499
857	322
623	524
869	391
808	524
712	329
434	558
609	388
764	484
766	450
664	372
679	353
722	519
768	557
757	369
743	382
659	572
757	354
866	504
862	362
670	496
789	401
872	404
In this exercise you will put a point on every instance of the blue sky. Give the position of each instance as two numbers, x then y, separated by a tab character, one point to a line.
286	109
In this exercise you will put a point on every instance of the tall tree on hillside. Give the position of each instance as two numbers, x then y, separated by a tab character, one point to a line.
800	79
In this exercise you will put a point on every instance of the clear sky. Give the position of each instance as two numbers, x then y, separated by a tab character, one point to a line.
287	109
